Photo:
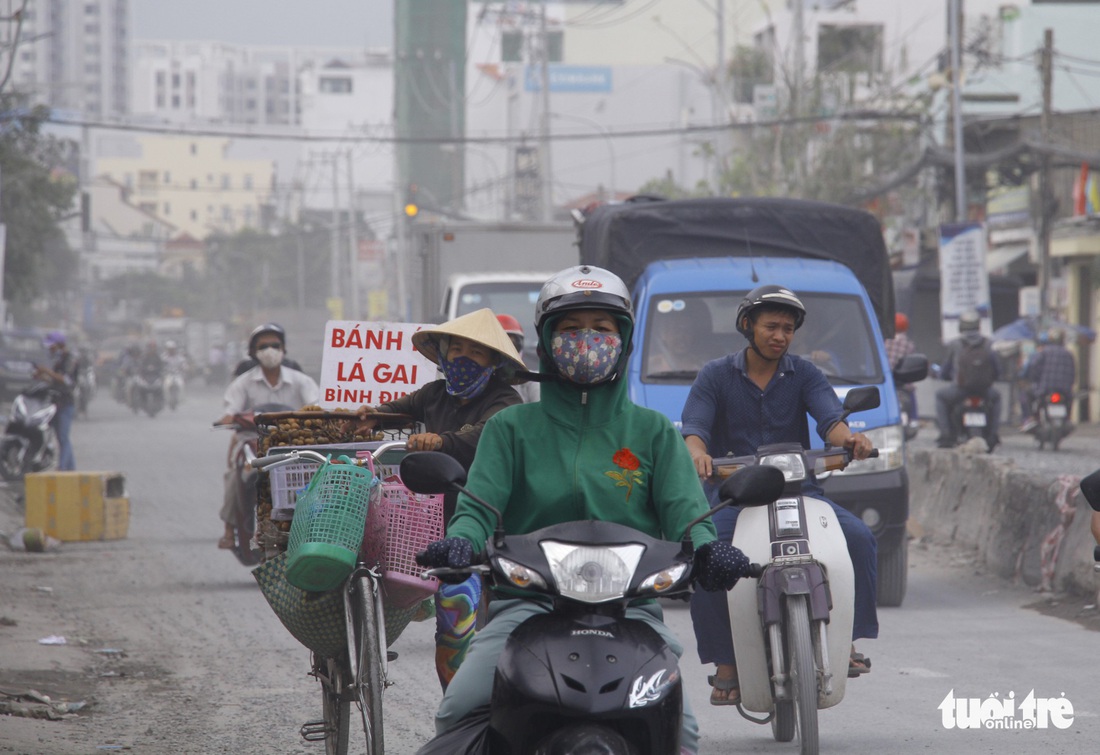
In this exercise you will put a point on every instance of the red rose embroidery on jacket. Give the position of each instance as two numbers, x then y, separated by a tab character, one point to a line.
629	476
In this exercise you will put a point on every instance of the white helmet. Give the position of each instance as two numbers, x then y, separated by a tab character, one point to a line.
583	287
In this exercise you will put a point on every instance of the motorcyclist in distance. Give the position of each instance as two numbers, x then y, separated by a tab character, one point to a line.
1052	370
150	364
951	395
249	361
266	383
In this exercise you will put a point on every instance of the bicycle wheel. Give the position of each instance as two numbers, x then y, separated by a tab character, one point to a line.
803	686
370	653
335	708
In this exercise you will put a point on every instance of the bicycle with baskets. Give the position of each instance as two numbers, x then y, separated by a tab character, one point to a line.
348	583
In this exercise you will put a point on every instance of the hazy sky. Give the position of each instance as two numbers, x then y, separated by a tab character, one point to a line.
339	23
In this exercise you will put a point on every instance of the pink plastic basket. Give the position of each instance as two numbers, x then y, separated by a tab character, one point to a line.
400	524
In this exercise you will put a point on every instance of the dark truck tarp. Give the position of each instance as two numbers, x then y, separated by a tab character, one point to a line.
624	238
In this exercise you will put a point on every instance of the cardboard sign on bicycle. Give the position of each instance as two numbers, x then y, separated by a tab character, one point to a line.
370	363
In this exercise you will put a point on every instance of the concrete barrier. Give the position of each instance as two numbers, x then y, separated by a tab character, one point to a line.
1027	526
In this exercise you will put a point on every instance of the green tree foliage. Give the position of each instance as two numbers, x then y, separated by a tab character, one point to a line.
35	194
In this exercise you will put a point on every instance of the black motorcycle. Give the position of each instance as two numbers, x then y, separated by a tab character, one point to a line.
29	443
147	393
1053	422
970	419
583	677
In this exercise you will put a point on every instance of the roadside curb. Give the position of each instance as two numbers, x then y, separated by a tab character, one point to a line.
1025	525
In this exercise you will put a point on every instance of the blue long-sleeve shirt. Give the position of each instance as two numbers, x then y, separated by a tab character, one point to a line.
731	415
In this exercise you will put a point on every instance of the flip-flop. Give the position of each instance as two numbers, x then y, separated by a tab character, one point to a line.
858	664
226	543
728	686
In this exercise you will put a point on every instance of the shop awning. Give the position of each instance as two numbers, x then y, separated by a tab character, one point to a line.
1000	258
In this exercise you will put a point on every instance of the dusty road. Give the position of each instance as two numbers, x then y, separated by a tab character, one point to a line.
205	666
195	661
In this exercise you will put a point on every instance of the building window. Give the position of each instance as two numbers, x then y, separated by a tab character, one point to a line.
194	215
335	84
175	102
194	148
194	184
149	207
167	209
227	213
248	180
147	179
225	180
175	81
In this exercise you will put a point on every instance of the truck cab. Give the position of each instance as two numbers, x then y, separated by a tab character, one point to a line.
505	293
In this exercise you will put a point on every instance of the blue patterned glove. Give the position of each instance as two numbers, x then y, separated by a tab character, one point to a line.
452	552
718	565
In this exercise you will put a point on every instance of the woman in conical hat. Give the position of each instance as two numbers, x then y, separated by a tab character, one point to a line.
478	361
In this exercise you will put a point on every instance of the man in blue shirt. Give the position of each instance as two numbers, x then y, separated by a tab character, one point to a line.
759	396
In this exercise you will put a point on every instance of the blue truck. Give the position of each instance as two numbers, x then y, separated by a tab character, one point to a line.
689	263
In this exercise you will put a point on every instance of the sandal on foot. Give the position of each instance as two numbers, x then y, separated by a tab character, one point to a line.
858	664
227	542
730	686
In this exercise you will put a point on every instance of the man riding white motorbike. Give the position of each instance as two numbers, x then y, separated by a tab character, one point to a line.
755	397
175	368
266	383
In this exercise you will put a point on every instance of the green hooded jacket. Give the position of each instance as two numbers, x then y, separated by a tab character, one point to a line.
582	453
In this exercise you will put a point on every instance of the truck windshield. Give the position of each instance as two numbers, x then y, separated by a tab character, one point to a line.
685	331
504	298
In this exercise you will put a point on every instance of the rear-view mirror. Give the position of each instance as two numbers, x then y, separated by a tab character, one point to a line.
431	472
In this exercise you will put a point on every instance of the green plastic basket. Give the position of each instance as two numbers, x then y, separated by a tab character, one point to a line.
327	529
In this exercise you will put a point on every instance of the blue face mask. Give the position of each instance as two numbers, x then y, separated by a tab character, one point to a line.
586	356
465	377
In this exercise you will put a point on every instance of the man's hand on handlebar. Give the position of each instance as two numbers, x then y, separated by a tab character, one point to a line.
860	446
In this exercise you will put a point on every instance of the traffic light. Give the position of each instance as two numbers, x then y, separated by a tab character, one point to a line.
412	202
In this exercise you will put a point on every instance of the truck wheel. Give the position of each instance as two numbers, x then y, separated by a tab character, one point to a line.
893	574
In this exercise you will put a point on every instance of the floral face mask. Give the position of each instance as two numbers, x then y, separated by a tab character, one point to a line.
586	356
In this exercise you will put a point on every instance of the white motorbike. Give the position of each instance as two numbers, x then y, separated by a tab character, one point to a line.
792	623
173	389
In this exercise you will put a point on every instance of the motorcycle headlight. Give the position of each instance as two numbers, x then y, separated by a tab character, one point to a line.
890	442
520	575
589	573
791	465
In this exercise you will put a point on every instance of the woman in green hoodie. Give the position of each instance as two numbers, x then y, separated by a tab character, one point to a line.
584	451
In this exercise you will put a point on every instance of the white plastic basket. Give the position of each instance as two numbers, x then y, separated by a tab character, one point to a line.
290	480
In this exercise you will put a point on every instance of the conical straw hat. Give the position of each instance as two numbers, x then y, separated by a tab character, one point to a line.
482	327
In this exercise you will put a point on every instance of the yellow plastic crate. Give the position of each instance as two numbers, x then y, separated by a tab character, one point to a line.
78	505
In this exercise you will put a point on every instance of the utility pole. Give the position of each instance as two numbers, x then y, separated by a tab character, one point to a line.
955	24
544	125
1046	200
334	237
353	245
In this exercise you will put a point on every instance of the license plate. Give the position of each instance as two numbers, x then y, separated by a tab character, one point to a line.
974	419
1057	411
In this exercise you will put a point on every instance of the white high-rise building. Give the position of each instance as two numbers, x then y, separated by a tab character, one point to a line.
72	54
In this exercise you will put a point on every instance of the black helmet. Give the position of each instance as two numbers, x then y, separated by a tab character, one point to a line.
268	327
770	296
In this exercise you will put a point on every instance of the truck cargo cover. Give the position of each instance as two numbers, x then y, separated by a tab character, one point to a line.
625	238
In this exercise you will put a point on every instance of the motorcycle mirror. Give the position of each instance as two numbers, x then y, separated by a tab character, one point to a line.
431	472
1090	488
757	484
913	368
862	399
